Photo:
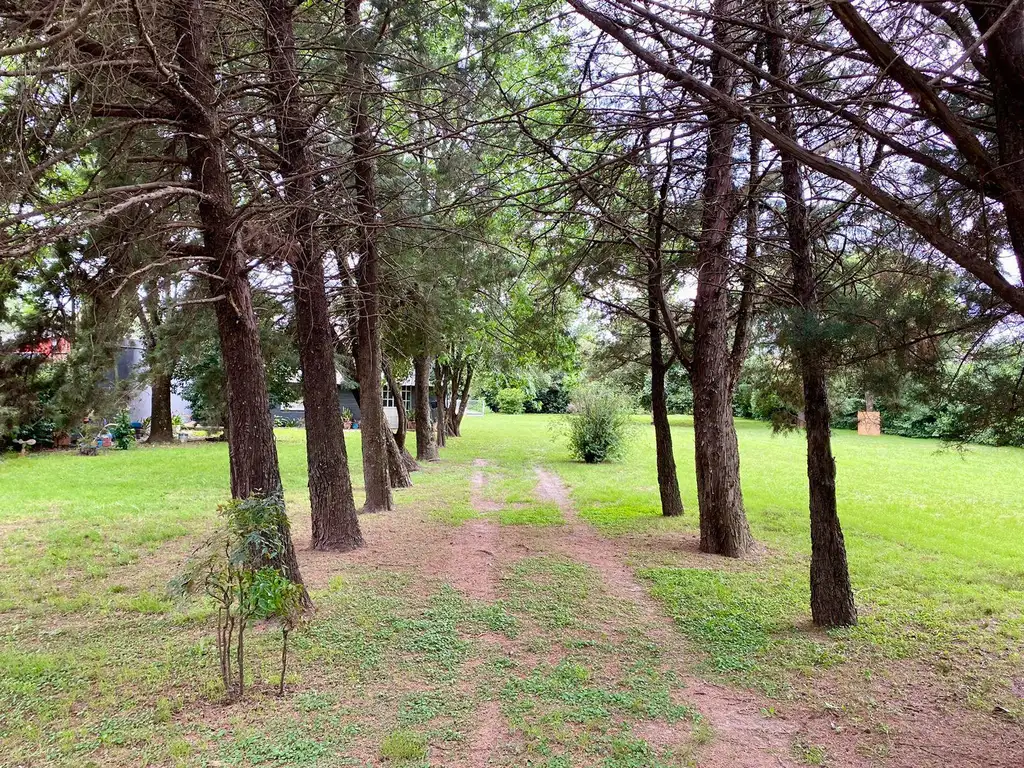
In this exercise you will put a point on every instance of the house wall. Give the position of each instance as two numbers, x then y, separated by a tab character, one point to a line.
141	405
130	361
347	399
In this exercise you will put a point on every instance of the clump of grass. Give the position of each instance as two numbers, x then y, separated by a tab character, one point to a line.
403	745
551	590
537	513
810	754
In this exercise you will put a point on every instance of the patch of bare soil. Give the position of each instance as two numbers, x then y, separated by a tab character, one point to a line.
472	561
392	542
477	484
919	729
909	712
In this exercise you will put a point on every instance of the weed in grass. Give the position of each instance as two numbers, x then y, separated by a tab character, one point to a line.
435	636
423	707
630	752
702	733
810	754
179	749
561	704
496	618
403	745
291	749
315	701
742	621
551	590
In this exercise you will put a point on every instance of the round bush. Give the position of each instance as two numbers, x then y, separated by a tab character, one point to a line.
511	400
599	424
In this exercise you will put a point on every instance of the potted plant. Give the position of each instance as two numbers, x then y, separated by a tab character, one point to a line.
346	418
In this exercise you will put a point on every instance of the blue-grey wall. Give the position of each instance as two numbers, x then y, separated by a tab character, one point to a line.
346	399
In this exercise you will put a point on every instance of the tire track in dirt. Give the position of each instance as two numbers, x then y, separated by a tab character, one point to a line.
743	736
472	567
477	484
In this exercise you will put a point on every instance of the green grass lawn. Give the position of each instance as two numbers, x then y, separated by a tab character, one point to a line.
935	539
99	667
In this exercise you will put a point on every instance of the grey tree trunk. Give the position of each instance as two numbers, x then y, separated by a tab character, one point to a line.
426	442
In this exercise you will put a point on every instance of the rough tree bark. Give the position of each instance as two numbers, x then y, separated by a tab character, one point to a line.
335	525
371	406
723	521
745	309
426	443
832	602
161	426
251	447
463	401
398	470
441	391
453	375
161	420
402	431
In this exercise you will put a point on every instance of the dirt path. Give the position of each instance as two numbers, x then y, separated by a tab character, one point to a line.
743	737
472	565
748	730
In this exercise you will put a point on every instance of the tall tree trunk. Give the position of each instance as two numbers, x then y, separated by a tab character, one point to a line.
161	420
463	400
723	521
403	420
161	428
426	444
398	470
371	406
745	310
335	524
454	377
668	482
832	602
441	391
251	447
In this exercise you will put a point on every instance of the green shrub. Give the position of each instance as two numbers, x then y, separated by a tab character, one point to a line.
599	424
238	567
511	400
122	432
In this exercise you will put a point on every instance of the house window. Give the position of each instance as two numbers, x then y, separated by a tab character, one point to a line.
387	397
407	392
